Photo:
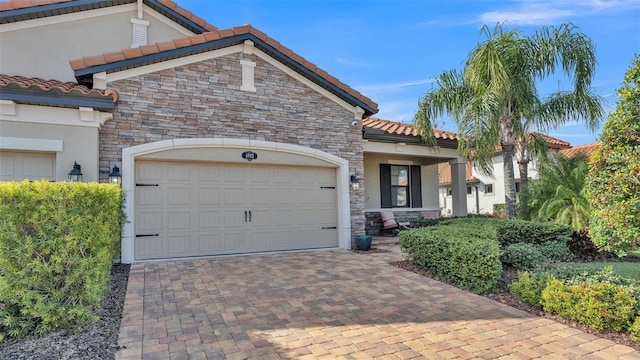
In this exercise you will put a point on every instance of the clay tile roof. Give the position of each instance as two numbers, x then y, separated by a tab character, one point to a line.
214	35
397	128
171	5
444	173
8	82
554	142
586	150
23	4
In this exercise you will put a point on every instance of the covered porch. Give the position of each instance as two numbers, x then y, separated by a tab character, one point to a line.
401	173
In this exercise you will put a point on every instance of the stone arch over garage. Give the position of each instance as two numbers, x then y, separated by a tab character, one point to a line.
218	150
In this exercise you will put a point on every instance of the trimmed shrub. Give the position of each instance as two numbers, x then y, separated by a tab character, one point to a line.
522	256
556	250
467	257
428	222
529	287
601	306
612	186
57	244
530	232
635	329
500	210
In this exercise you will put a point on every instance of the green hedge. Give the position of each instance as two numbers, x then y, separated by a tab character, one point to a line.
601	300
522	256
522	231
468	257
57	244
601	306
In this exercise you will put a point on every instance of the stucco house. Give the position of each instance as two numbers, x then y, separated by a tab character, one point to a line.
226	141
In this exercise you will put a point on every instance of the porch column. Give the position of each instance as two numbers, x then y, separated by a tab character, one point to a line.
459	187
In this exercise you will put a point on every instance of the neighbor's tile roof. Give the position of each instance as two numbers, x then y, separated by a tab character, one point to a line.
586	150
554	142
444	173
23	4
398	128
53	86
157	48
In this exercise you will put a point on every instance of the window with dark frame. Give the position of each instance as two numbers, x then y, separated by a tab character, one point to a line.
488	189
517	187
400	186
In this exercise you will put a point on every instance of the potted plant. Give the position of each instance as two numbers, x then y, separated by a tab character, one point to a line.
363	242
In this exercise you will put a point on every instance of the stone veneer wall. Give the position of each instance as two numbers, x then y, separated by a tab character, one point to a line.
203	100
373	222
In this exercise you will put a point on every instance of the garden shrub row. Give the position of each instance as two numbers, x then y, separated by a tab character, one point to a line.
57	245
531	232
467	257
600	300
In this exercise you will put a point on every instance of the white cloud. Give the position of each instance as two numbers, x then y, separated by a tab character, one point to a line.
544	12
392	86
351	63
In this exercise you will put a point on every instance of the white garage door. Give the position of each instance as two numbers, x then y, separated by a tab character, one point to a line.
18	166
197	209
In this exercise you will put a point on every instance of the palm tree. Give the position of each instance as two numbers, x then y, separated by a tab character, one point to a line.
495	102
560	192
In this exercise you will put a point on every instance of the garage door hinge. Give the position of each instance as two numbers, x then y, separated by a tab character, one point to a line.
327	187
329	227
147	184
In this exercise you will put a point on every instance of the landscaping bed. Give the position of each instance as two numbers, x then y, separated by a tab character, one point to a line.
97	341
504	296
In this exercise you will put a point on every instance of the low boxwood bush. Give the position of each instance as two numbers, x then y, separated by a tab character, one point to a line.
531	232
57	244
556	250
467	257
635	329
601	306
529	287
522	256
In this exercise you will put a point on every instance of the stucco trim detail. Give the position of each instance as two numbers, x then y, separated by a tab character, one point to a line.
130	154
30	144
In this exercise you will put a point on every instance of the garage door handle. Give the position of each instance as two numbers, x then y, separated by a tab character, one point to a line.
329	227
147	235
249	215
245	216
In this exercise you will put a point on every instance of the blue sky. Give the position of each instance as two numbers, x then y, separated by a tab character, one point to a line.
391	50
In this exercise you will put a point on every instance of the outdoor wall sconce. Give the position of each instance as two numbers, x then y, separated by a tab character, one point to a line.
115	177
355	183
75	174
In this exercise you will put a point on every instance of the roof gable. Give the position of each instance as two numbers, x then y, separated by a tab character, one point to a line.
21	10
85	67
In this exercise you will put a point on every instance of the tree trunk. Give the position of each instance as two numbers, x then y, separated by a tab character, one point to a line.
509	181
523	167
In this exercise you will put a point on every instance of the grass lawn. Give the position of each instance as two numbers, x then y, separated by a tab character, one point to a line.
629	270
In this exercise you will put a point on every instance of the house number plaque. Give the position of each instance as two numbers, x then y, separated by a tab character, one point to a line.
249	155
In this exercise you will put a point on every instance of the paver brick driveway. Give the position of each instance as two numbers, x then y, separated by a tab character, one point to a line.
329	304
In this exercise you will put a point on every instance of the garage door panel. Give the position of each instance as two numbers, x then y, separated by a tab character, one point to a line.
209	219
149	248
208	196
179	245
178	172
199	209
210	173
149	221
18	166
209	244
178	220
178	195
260	196
234	196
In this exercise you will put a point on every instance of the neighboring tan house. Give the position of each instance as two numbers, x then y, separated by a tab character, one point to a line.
227	142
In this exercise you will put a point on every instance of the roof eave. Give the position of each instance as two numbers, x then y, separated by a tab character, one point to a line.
83	74
57	99
378	135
